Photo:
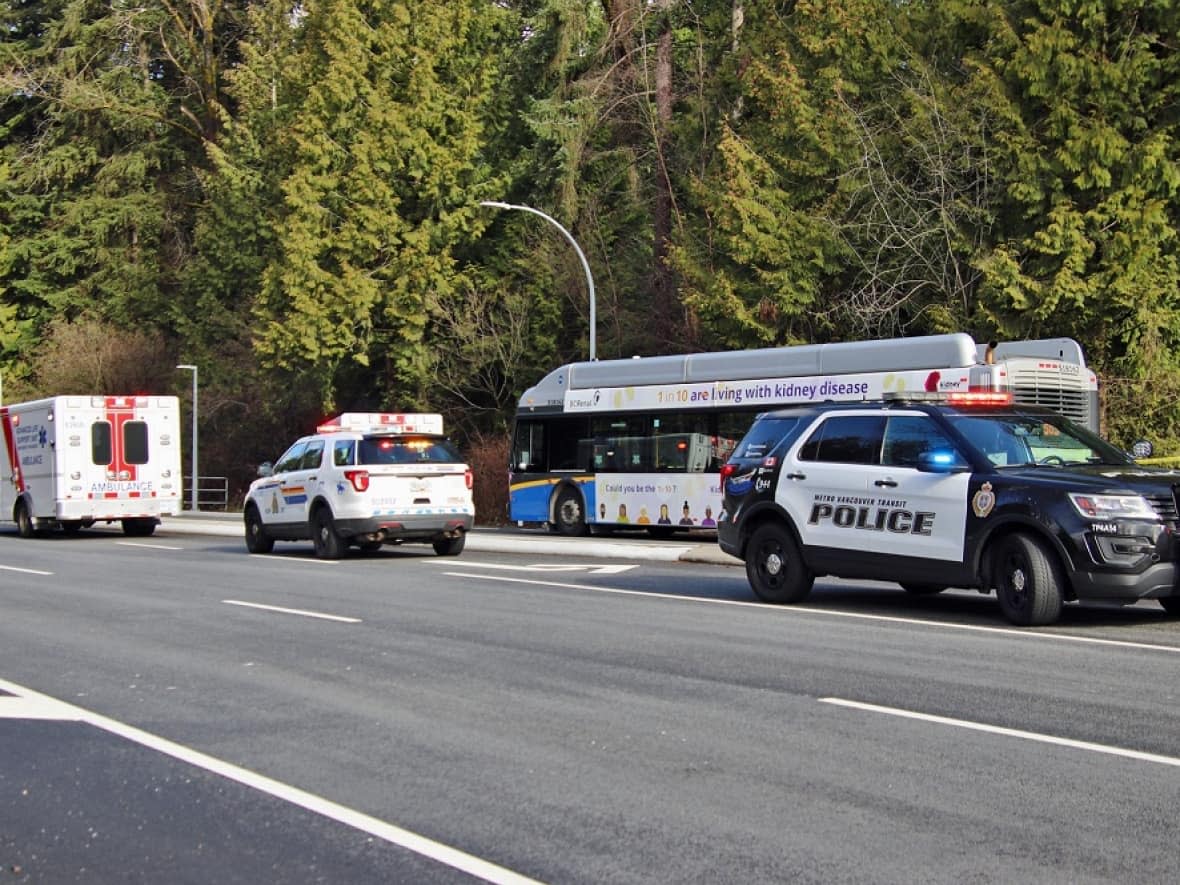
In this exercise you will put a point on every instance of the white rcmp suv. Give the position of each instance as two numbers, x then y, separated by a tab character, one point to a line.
364	479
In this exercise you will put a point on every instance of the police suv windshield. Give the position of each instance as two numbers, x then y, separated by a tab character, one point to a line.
1013	439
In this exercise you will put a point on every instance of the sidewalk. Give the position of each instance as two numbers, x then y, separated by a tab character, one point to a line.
483	540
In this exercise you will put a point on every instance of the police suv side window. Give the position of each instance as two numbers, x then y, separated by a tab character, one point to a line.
342	452
290	459
313	455
846	439
909	437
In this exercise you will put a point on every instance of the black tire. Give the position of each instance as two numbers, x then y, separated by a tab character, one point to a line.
24	521
918	589
450	546
774	567
257	540
1028	581
570	513
1171	604
139	527
328	544
369	546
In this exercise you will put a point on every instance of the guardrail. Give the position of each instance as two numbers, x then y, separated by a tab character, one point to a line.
212	492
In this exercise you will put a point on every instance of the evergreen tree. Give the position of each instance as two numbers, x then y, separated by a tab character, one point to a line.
387	170
1088	154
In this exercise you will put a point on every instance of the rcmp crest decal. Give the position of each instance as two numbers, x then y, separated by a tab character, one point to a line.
984	500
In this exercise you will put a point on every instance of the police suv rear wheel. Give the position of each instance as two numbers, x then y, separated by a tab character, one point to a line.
775	568
328	544
1028	581
450	546
257	540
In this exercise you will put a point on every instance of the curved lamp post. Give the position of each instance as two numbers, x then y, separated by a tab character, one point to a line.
581	256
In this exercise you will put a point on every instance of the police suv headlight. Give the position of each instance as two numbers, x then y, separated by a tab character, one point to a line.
1112	506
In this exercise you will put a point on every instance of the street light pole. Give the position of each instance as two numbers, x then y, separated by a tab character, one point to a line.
196	482
581	256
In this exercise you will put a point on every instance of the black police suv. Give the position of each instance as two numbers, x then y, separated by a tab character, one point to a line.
960	490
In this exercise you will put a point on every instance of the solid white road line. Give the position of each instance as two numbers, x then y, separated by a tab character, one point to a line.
292	611
23	571
859	616
444	854
1007	732
148	546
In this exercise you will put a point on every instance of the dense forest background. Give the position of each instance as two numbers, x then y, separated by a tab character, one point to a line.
287	194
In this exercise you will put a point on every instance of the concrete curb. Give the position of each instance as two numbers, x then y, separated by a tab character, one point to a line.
229	525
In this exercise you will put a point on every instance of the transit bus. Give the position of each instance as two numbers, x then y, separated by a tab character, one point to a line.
640	442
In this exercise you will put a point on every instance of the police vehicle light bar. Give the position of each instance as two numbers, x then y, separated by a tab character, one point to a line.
390	422
954	398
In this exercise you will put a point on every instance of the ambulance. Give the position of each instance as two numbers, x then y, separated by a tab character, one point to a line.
73	461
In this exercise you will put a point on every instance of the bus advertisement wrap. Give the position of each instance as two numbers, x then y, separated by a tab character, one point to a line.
761	392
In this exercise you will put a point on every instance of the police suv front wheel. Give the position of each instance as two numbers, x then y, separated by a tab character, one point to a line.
257	540
1028	580
774	567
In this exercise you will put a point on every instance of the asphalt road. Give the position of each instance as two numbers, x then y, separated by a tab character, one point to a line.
173	709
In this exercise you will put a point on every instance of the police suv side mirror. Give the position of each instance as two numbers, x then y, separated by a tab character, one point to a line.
266	469
940	461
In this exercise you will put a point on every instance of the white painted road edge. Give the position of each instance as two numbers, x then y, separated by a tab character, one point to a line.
1007	732
29	704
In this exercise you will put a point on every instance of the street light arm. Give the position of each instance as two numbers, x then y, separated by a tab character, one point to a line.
496	204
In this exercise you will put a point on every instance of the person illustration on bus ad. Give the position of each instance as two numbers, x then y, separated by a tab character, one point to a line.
665	518
686	515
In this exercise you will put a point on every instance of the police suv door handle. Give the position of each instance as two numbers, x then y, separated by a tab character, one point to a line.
887	483
796	476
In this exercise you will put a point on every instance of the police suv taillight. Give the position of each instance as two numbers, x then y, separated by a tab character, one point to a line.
469	478
727	470
358	478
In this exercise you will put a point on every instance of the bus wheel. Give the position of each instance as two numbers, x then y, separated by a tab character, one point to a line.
774	567
24	521
1028	581
571	517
